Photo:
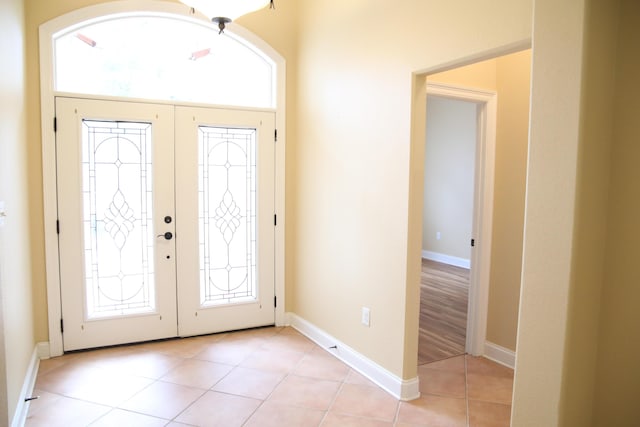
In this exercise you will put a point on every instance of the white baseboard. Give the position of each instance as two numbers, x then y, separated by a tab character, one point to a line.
446	259
20	416
42	349
499	354
397	387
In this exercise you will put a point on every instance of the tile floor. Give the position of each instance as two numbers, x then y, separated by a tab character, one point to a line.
258	378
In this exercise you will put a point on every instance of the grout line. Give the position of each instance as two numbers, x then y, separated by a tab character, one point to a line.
260	347
333	401
395	418
287	375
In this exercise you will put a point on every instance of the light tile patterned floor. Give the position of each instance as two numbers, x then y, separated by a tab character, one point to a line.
258	378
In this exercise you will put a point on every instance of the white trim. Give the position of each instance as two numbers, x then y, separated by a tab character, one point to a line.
499	354
46	33
483	207
42	350
446	259
22	410
484	55
397	387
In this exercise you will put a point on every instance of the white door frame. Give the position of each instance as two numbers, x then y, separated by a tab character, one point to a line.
482	207
47	109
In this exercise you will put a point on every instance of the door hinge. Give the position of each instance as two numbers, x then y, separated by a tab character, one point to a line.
57	226
275	301
55	124
275	220
61	326
275	135
473	242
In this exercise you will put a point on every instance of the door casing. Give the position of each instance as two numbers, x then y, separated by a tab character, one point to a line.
47	109
482	209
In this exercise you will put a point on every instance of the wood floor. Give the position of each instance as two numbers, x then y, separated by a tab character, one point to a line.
444	292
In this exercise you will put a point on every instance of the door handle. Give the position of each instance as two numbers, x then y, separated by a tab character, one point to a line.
168	235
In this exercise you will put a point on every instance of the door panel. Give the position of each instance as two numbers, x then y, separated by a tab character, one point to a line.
166	220
225	208
117	275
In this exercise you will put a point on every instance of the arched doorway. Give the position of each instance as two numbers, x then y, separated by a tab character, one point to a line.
110	55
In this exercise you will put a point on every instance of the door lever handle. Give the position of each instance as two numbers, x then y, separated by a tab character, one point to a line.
168	235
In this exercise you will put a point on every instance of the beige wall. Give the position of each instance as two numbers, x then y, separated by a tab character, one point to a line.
449	168
480	75
577	341
357	152
15	248
278	28
618	371
509	76
591	211
549	212
513	78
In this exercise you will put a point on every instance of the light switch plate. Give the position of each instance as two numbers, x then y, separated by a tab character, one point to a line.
366	316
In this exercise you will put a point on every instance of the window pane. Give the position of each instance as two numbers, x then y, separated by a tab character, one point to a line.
118	218
227	213
153	57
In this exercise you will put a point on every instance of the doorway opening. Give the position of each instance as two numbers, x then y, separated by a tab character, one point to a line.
494	261
450	157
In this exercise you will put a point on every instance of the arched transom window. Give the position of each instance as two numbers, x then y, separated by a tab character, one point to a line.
163	58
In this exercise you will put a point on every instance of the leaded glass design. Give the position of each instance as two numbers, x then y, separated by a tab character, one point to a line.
227	215
117	218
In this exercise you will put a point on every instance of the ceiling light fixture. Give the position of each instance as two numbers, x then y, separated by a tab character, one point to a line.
221	12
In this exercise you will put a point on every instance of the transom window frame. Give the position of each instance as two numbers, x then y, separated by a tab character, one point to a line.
114	10
76	34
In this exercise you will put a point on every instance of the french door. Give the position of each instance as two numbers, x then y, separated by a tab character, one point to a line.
225	207
166	220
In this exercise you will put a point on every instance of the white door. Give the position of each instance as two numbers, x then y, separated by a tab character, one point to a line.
117	276
121	234
225	178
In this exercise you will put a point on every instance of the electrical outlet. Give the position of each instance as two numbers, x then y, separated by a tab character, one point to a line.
438	235
366	316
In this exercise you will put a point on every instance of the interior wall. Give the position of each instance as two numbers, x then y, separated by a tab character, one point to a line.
355	218
592	206
17	341
479	75
449	176
277	28
549	212
513	83
509	76
618	371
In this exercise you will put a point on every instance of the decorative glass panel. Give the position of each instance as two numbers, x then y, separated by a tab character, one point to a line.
117	218
154	57
227	214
